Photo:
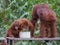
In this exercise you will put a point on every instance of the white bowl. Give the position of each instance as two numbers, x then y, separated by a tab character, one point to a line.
24	35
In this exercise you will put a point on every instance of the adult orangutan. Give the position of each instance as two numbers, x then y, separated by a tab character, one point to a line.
47	19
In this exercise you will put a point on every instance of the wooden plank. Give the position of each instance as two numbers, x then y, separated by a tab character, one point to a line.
57	38
2	38
12	43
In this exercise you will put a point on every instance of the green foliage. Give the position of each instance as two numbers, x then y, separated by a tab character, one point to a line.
13	9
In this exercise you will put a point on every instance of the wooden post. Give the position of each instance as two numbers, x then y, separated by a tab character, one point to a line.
7	41
11	42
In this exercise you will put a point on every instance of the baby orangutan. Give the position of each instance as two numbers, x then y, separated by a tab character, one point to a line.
3	42
17	26
47	19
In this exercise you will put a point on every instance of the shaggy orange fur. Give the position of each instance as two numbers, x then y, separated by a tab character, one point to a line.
17	26
47	19
3	43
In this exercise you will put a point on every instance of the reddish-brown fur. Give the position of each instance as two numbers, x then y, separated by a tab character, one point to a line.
47	19
11	31
3	43
20	23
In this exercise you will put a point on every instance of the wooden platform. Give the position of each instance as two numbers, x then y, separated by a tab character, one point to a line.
57	38
2	38
11	40
34	38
